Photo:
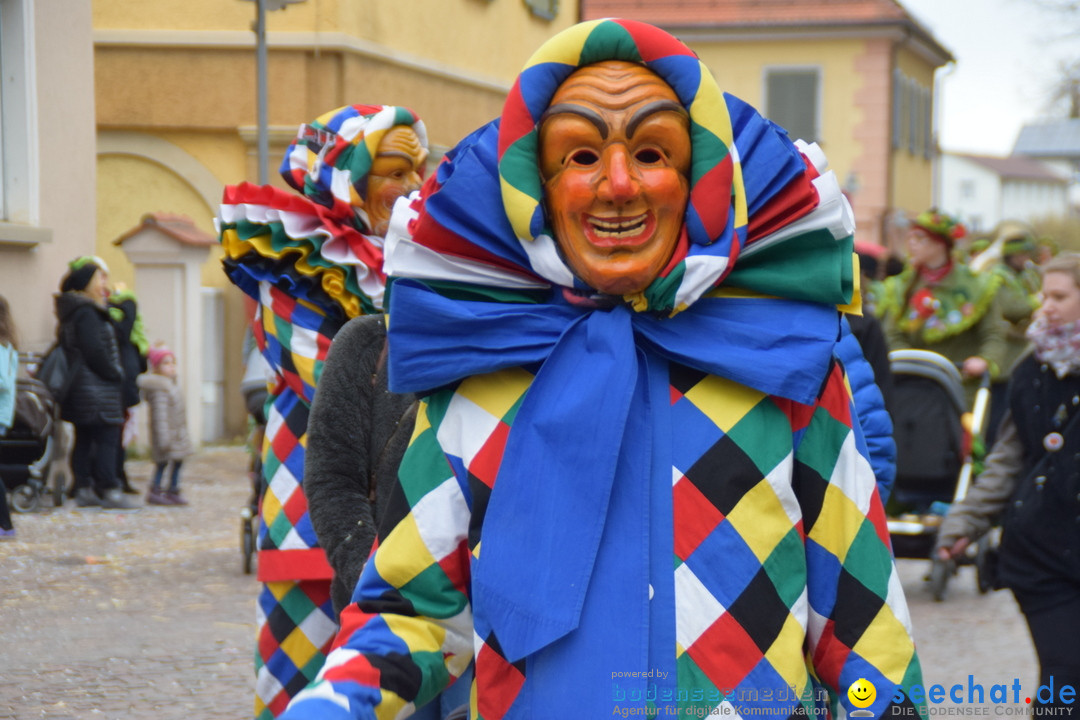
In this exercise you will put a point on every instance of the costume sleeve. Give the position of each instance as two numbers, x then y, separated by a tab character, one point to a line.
991	336
294	336
874	419
973	516
408	633
338	462
858	622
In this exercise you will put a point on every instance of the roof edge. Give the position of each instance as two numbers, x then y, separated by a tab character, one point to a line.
921	40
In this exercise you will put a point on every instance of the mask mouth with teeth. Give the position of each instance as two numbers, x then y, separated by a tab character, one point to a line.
620	231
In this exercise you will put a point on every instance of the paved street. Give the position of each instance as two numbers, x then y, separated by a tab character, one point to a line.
148	615
145	614
969	634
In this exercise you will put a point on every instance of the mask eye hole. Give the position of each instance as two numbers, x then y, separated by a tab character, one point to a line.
585	157
648	156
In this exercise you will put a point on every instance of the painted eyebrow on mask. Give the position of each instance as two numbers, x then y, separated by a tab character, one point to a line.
652	108
593	117
590	115
395	154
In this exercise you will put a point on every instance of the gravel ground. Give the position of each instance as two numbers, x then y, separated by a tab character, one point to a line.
140	614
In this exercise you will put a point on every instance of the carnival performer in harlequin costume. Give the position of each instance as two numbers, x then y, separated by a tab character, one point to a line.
937	303
313	261
634	479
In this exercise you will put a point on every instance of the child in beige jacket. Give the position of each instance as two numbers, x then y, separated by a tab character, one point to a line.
169	442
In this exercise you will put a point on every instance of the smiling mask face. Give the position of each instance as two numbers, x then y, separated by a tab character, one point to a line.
395	172
614	156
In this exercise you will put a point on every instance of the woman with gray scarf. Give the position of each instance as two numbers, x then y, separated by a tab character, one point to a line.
1032	482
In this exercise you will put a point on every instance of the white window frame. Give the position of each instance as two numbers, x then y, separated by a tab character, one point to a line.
819	99
19	175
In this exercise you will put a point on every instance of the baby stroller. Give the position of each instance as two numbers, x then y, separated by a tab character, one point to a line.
28	451
253	387
935	435
249	514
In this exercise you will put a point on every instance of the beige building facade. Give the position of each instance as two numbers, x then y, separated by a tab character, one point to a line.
176	104
47	213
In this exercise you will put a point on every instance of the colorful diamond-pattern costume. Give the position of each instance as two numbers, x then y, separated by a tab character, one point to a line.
654	505
312	264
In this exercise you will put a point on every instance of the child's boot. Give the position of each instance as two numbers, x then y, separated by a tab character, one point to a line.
154	496
175	498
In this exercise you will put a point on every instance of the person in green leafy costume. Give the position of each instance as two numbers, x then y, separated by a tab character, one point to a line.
937	303
1013	248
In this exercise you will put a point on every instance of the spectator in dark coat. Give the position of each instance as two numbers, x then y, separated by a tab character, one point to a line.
1031	486
861	363
124	312
357	432
94	404
868	331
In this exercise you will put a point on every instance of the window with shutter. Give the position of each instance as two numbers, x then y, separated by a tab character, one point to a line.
898	109
793	101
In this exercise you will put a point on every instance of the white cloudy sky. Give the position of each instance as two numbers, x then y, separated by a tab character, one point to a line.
1006	53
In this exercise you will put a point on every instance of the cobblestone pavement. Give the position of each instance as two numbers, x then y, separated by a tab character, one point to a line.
969	634
148	615
144	614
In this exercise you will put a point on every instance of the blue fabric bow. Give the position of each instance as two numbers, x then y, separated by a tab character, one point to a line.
562	455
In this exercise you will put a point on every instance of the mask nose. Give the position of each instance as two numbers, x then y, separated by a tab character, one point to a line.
619	184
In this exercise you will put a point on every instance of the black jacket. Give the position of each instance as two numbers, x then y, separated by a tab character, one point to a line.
357	433
87	332
868	331
1040	544
131	360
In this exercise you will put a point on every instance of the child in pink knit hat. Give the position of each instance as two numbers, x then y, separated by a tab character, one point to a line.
169	443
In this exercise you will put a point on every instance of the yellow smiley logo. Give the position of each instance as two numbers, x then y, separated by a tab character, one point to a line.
862	693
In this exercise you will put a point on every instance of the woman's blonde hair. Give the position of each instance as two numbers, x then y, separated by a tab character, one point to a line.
1067	262
7	324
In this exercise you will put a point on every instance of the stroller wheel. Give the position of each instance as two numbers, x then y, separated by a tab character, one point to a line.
247	542
24	499
59	481
985	557
940	571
